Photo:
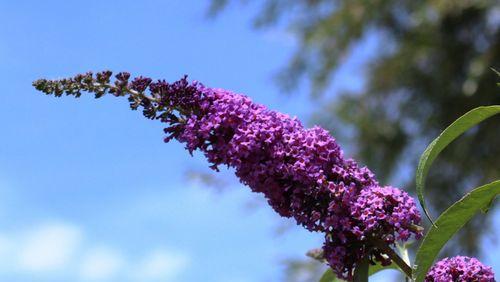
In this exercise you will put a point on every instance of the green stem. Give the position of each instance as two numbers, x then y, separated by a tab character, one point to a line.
361	272
403	251
381	245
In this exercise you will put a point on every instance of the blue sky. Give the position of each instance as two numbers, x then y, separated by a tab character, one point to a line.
88	190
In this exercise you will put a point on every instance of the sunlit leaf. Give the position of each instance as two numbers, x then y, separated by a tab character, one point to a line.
449	222
458	127
377	268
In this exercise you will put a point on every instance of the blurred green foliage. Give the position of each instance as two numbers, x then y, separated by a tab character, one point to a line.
297	270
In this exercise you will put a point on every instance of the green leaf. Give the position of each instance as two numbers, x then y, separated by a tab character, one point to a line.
329	276
498	73
449	222
378	267
458	127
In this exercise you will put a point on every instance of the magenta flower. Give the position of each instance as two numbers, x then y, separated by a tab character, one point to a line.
302	172
460	269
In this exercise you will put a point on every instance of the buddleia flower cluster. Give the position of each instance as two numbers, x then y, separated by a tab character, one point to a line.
302	172
460	268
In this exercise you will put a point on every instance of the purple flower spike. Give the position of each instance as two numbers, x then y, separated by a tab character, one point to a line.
458	269
302	172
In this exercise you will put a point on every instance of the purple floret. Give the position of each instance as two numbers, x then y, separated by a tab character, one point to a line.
460	269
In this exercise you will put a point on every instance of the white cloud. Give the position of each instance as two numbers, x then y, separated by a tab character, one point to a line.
101	264
5	250
49	247
162	265
58	249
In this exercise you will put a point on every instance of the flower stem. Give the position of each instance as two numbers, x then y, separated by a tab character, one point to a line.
130	91
394	257
361	272
406	257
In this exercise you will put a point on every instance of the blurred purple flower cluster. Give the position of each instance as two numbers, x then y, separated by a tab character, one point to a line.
460	268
